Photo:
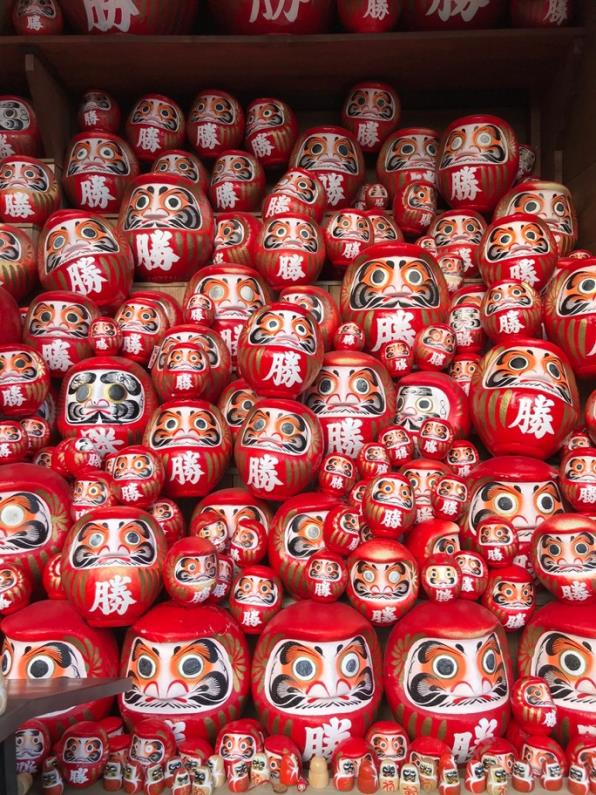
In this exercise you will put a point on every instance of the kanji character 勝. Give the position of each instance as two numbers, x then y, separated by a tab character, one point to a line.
290	267
57	355
154	250
557	12
345	436
262	473
393	327
226	196
183	382
525	271
324	739
272	10
207	137
534	416
113	596
509	323
334	187
261	145
278	204
34	22
85	276
148	139
5	148
79	775
385	616
377	9
368	133
464	184
285	369
90	118
252	618
446	9
107	14
13	396
186	468
576	592
17	205
322	588
95	193
351	250
132	344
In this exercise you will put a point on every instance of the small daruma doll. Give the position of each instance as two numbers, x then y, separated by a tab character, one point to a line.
510	595
298	191
414	206
215	123
517	247
271	131
189	665
290	250
143	324
237	181
154	125
478	161
256	596
24	380
169	225
334	156
511	308
578	478
82	753
447	672
388	505
533	708
524	398
194	443
311	674
108	399
563	555
37	18
108	545
558	645
28	190
18	127
279	448
407	155
382	581
137	475
105	337
441	578
280	350
98	111
320	304
371	111
81	251
190	571
347	232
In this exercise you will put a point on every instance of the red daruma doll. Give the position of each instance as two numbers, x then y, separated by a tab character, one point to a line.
315	680
280	350
290	250
111	565
478	162
279	448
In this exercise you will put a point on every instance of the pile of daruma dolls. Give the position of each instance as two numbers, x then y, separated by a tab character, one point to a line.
415	461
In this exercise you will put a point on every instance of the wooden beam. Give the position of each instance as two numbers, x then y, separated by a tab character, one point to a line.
52	106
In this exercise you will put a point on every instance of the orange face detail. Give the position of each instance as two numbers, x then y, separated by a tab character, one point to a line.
162	206
577	296
457	677
22	174
527	368
567	554
319	678
516	239
157	113
291	233
76	238
277	430
113	542
513	595
382	582
568	664
304	535
371	103
256	591
60	319
328	152
347	391
475	144
98	156
185	426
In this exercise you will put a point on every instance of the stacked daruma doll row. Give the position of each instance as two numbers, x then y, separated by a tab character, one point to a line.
417	456
257	17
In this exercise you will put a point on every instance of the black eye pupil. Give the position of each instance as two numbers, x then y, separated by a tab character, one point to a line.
145	667
116	392
38	669
45	316
377	277
191	667
505	503
518	362
445	667
572	662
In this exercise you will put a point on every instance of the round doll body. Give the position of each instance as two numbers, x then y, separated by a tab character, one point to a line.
371	112
154	125
187	664
28	190
532	705
112	563
447	671
510	594
49	639
256	596
298	191
271	131
290	250
407	155
339	652
98	111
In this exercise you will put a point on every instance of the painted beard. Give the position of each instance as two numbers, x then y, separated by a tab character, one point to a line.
25	522
365	296
84	406
320	678
431	668
202	669
564	661
386	591
113	547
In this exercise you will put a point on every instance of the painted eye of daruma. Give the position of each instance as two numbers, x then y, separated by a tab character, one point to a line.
445	666
146	667
303	668
572	663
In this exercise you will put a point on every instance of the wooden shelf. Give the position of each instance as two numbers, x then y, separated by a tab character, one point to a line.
310	71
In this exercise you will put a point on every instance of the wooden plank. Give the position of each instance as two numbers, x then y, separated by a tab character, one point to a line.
52	106
584	196
312	71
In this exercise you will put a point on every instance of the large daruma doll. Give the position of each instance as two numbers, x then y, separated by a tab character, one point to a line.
447	675
111	565
354	399
318	681
524	398
107	399
559	645
188	666
48	640
34	516
393	290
